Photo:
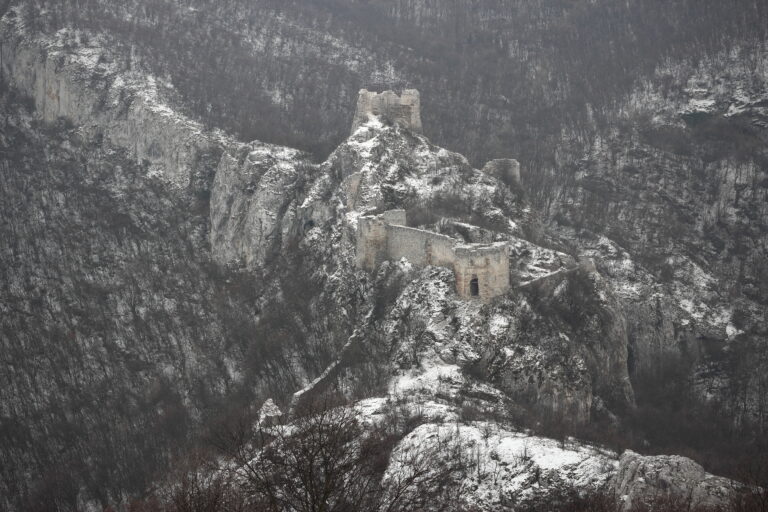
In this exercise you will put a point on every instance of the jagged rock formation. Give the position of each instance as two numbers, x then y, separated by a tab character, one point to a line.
121	337
112	326
254	202
681	110
393	168
269	415
520	470
643	479
138	280
90	88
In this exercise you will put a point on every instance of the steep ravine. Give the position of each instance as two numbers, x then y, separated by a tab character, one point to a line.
678	185
121	337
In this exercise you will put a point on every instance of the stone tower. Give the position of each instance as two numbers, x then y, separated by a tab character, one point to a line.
404	109
482	270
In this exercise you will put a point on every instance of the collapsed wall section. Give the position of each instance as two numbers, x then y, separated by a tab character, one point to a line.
396	217
440	251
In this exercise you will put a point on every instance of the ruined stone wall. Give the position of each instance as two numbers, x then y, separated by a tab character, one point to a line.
352	189
489	264
413	244
384	237
440	251
404	109
371	242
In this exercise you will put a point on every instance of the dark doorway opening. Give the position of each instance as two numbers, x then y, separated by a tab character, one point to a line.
474	287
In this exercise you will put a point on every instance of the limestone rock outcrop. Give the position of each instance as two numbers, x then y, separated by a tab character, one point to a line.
117	323
253	202
88	86
644	479
522	471
270	414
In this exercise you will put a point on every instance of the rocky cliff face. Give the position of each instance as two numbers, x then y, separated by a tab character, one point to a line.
502	77
94	88
647	478
254	203
557	343
558	340
116	321
503	469
683	197
157	269
662	156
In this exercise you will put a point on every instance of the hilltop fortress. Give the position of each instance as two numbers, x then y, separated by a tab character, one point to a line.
482	270
404	109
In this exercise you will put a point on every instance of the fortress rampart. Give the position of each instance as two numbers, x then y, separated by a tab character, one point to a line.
404	109
482	270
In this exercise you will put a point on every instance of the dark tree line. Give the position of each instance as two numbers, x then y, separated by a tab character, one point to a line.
513	72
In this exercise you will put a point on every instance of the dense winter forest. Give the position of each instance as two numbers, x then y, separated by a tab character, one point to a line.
141	328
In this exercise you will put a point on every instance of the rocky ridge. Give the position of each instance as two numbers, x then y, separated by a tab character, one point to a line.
564	341
77	76
445	353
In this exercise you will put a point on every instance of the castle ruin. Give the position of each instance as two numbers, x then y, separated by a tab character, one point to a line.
404	109
481	270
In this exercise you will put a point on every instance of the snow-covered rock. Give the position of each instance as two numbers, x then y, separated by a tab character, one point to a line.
643	479
88	84
492	468
254	201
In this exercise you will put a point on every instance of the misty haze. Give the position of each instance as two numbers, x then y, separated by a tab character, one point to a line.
383	255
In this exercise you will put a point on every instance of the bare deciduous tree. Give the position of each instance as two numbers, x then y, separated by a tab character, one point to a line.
325	460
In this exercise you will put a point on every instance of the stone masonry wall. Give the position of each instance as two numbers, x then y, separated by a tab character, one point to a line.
396	217
489	264
371	242
412	244
440	251
385	237
404	109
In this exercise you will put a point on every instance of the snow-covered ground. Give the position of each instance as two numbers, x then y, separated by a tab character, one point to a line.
501	467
